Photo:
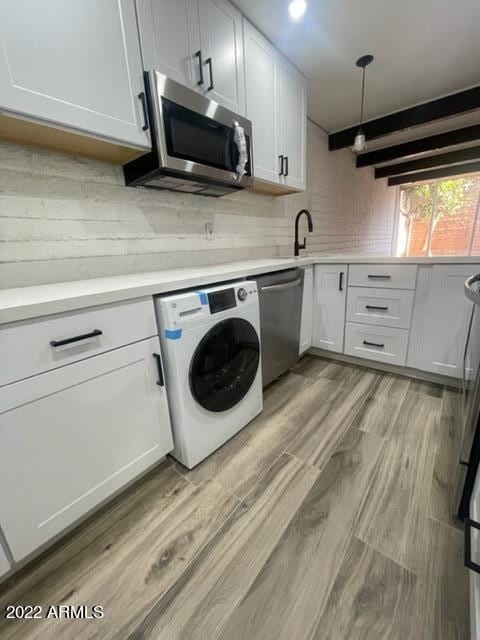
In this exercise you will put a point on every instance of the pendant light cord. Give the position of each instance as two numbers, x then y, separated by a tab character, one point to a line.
363	97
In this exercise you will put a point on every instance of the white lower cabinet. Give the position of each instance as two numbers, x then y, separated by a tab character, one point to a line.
306	326
440	319
73	436
383	344
4	563
330	286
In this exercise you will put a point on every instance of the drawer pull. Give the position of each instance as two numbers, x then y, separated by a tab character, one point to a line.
373	344
469	563
84	336
371	306
161	381
379	277
340	281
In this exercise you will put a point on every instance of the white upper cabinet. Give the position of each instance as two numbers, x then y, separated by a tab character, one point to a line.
222	54
440	320
330	286
170	38
276	104
75	65
293	107
198	43
262	101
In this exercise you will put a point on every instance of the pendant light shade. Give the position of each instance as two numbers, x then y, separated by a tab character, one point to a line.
360	143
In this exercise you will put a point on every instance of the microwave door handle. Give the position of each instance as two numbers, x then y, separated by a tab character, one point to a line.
241	142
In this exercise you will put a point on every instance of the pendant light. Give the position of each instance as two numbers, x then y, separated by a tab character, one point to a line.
360	143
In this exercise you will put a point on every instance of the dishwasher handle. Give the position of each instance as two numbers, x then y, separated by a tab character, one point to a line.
283	285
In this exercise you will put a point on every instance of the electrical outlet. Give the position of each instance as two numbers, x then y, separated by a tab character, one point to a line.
209	231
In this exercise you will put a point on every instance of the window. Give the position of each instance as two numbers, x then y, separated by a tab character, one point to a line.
440	218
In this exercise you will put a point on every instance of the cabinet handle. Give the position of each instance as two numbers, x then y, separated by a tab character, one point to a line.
161	381
371	306
469	563
209	62
379	277
286	166
373	344
198	55
143	100
281	158
340	281
84	336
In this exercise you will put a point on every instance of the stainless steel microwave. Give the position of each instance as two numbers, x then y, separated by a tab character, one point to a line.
198	146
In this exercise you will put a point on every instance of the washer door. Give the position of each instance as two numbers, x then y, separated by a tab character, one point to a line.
225	364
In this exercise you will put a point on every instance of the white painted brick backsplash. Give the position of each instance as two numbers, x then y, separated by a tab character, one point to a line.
65	218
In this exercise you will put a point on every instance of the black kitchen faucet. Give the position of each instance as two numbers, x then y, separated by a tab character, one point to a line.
297	245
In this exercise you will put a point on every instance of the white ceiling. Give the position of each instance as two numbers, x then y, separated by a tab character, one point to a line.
423	49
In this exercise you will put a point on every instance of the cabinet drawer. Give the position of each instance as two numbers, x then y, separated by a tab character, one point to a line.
376	343
27	349
73	436
386	307
396	276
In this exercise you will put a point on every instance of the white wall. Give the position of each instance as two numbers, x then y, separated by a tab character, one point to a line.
65	218
352	212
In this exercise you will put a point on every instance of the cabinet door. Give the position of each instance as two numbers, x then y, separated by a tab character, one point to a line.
73	436
293	105
306	326
74	64
4	564
170	37
440	331
330	284
222	43
262	102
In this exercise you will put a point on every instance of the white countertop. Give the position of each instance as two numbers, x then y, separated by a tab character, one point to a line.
24	303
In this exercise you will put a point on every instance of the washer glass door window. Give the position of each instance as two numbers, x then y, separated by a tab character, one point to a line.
225	364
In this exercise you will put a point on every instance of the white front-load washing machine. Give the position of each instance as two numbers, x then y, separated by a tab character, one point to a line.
211	355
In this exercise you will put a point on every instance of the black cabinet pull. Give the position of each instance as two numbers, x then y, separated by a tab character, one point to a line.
143	100
198	55
379	277
371	306
340	281
469	563
373	344
84	336
281	158
209	62
286	166
161	381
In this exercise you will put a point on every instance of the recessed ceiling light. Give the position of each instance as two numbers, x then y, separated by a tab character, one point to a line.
296	9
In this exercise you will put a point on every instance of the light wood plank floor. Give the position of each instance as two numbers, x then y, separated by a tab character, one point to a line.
326	518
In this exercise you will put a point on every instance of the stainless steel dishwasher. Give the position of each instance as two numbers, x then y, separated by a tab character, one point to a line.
280	294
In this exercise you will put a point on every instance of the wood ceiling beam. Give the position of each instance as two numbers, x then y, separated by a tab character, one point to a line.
452	105
430	143
441	159
433	174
